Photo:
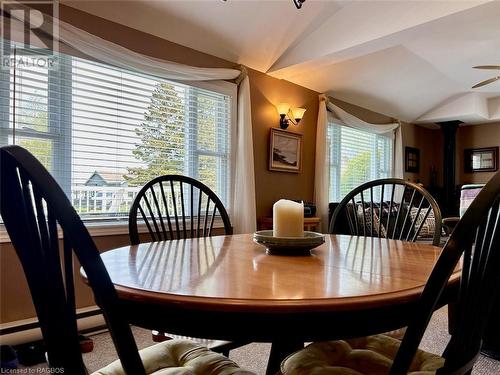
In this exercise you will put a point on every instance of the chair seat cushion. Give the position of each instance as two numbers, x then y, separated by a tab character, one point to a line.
397	333
372	355
180	357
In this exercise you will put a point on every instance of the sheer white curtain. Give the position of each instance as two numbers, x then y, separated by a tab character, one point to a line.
244	216
243	202
321	177
114	54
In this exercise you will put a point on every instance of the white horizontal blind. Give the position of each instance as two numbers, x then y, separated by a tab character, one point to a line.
356	157
103	132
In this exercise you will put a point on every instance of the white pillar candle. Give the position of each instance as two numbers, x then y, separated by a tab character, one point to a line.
288	219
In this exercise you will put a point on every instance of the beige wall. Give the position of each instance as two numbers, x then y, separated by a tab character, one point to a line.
475	136
430	144
271	185
15	298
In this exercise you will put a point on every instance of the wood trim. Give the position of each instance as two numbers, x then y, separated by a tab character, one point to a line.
26	324
103	229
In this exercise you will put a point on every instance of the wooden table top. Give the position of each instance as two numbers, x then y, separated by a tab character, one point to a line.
232	273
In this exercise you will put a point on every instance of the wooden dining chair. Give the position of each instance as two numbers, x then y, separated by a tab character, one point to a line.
476	239
178	207
389	208
39	219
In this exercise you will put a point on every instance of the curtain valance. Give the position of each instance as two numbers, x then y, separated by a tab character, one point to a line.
117	55
354	122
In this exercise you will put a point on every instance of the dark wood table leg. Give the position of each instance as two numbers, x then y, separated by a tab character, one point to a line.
279	350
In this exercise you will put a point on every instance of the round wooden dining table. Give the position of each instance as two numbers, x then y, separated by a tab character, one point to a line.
229	288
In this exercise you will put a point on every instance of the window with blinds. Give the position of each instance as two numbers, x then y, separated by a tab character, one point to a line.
356	157
103	132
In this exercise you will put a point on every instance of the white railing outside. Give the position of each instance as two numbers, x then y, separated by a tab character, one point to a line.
111	200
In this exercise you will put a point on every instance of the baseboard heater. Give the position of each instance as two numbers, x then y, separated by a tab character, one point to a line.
28	330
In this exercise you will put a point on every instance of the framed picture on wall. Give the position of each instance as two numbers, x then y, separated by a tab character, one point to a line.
412	160
481	159
285	151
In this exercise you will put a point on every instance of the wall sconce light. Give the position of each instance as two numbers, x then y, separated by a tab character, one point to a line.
288	114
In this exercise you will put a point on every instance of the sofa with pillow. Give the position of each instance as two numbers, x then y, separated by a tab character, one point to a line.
390	212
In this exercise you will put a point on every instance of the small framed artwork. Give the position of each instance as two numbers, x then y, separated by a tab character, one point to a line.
412	159
285	151
481	159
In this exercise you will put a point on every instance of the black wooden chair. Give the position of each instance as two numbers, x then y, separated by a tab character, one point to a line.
389	208
178	207
175	207
476	238
36	214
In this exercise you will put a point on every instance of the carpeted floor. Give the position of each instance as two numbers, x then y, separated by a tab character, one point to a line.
254	356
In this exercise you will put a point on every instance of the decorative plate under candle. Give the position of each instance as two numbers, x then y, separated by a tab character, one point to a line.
288	245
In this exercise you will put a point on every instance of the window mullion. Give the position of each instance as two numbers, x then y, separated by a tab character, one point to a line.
389	155
59	108
192	132
373	159
336	161
5	94
221	146
382	144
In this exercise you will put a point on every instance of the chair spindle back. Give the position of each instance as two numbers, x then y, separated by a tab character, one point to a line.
175	207
477	238
36	214
388	208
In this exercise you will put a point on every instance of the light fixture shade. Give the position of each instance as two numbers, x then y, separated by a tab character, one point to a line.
298	113
283	108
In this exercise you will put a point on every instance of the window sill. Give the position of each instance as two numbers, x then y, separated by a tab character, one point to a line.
95	230
100	229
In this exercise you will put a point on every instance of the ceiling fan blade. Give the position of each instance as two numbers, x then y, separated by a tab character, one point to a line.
486	82
298	3
493	67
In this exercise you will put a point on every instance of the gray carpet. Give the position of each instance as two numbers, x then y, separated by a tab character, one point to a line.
254	356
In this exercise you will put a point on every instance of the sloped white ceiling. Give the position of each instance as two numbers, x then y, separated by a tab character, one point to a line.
252	32
405	59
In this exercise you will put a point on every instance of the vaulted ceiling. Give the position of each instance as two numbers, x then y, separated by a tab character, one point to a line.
407	59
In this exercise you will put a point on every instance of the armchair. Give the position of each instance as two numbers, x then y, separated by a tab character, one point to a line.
467	194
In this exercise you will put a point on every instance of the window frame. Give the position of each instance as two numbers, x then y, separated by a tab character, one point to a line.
335	154
61	136
230	89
